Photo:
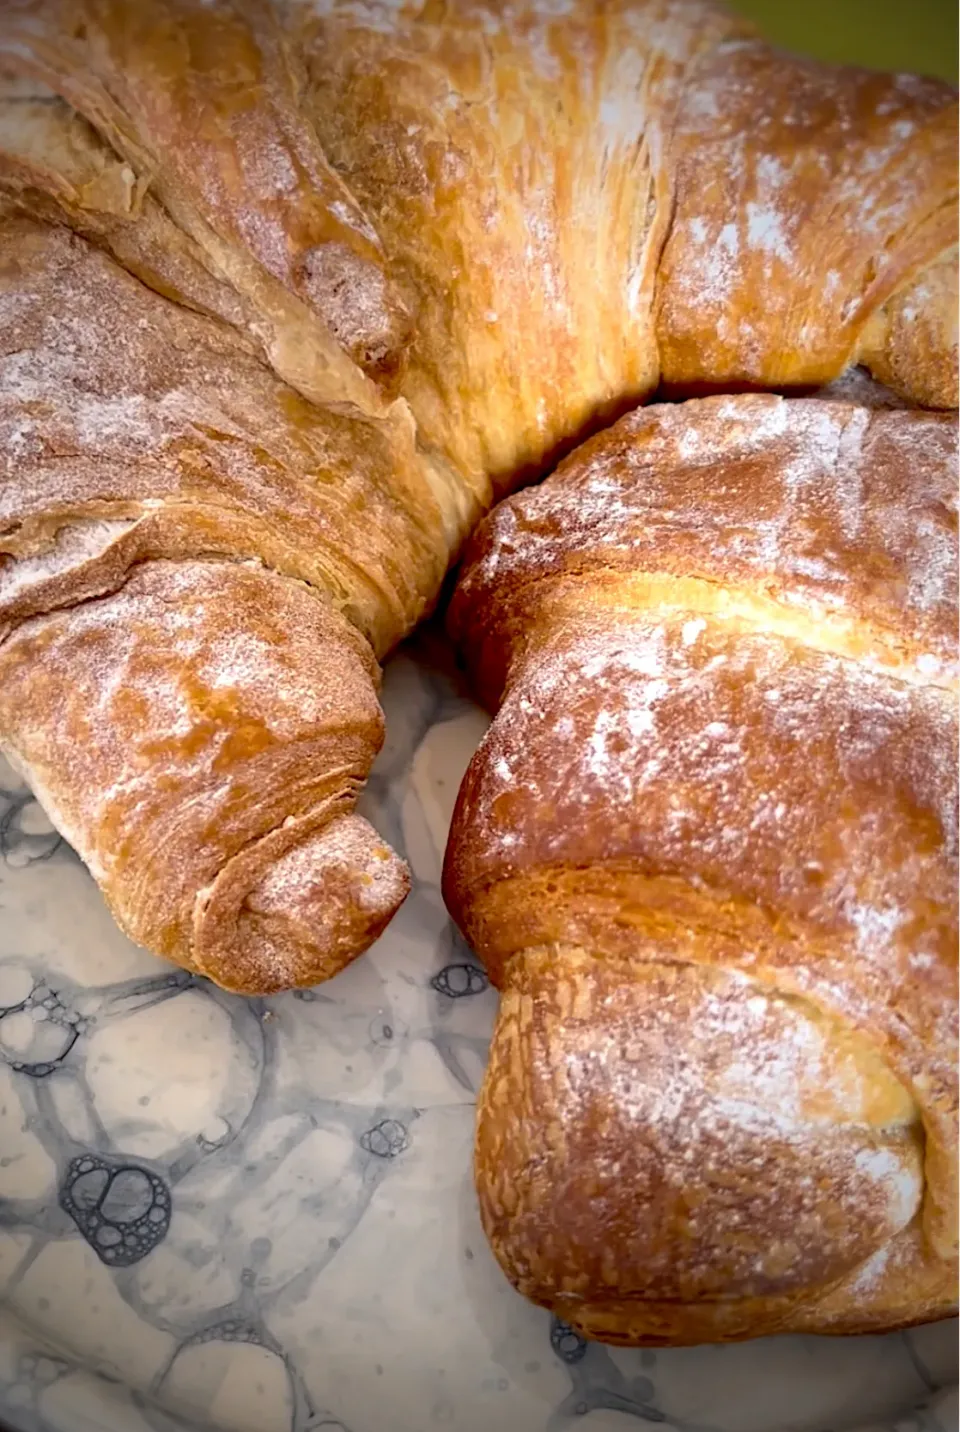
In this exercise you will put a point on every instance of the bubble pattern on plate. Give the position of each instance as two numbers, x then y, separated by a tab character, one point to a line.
386	1140
458	981
122	1209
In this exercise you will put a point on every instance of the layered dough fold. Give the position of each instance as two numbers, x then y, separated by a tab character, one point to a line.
309	285
200	736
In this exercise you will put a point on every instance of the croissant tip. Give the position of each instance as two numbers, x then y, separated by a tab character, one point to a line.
316	909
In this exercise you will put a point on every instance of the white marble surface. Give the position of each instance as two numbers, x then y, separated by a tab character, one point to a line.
220	1215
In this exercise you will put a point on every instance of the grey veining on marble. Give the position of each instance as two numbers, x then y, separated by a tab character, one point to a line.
220	1215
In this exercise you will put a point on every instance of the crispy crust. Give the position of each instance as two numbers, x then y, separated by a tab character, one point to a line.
194	733
309	284
709	843
777	261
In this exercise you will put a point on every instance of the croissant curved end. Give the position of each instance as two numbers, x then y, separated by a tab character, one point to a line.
689	1156
200	736
313	910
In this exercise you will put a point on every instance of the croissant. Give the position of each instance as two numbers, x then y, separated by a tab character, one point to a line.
708	853
291	292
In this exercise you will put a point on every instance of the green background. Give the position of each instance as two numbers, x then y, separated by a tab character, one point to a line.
916	35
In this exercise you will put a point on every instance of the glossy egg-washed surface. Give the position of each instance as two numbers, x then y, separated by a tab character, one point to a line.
708	851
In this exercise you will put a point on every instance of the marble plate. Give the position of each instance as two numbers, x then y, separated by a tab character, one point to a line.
220	1215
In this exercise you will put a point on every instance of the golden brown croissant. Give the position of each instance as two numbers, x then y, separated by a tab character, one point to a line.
304	286
199	729
708	853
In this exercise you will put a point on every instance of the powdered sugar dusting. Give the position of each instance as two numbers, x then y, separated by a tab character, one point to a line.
755	1062
73	547
809	505
745	1123
871	1273
633	712
344	862
886	1168
128	422
731	736
184	718
794	187
699	744
114	400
